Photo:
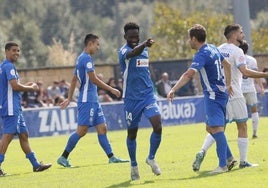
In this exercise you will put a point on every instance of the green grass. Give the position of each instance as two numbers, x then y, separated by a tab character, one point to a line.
175	156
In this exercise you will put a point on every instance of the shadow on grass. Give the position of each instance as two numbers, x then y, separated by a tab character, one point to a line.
129	183
80	166
205	174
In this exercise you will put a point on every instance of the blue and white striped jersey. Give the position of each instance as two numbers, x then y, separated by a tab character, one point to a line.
137	83
208	62
10	100
87	90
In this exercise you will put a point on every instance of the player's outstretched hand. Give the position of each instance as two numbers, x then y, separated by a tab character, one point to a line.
35	86
116	92
149	42
171	95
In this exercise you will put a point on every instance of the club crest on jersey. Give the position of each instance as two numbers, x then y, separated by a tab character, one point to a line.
89	65
12	72
241	59
142	63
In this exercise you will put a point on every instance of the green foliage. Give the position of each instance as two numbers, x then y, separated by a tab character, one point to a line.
28	34
259	33
59	56
170	31
36	24
175	156
260	40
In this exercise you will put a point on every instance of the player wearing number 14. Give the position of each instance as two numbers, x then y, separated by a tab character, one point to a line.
138	95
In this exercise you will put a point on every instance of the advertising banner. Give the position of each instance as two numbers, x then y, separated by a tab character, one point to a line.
53	121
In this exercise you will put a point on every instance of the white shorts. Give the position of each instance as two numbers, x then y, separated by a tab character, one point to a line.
236	110
251	99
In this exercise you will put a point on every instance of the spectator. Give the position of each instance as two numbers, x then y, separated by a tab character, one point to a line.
53	93
32	99
264	81
42	94
120	83
64	87
102	94
111	83
163	86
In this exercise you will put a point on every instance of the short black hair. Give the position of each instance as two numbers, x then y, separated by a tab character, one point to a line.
90	37
231	28
9	44
244	46
131	25
199	32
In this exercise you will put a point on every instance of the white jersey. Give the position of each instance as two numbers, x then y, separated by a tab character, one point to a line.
248	85
236	58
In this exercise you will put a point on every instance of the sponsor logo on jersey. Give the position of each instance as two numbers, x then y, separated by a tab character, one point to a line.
142	63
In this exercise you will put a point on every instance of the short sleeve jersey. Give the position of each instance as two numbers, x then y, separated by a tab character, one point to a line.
87	90
10	100
207	61
136	74
236	58
248	85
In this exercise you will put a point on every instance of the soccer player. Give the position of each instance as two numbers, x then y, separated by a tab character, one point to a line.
208	62
236	107
10	108
138	95
249	90
90	113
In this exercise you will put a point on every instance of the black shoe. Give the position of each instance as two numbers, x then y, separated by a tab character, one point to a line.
231	164
254	136
42	167
2	173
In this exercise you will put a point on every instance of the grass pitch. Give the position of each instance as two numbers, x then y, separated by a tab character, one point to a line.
175	156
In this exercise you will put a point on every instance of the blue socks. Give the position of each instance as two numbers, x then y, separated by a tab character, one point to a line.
32	159
221	144
154	144
2	157
155	140
103	140
73	139
131	146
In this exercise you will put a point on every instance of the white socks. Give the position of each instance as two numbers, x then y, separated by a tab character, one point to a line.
243	148
209	140
255	122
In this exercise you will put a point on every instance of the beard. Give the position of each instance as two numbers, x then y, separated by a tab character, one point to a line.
240	41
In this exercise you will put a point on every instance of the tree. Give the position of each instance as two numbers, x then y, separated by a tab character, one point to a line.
58	56
28	34
170	31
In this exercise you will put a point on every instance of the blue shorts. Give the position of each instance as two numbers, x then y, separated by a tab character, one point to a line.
14	124
135	108
90	114
215	112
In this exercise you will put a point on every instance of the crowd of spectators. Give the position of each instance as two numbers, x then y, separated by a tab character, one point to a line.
57	91
46	97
